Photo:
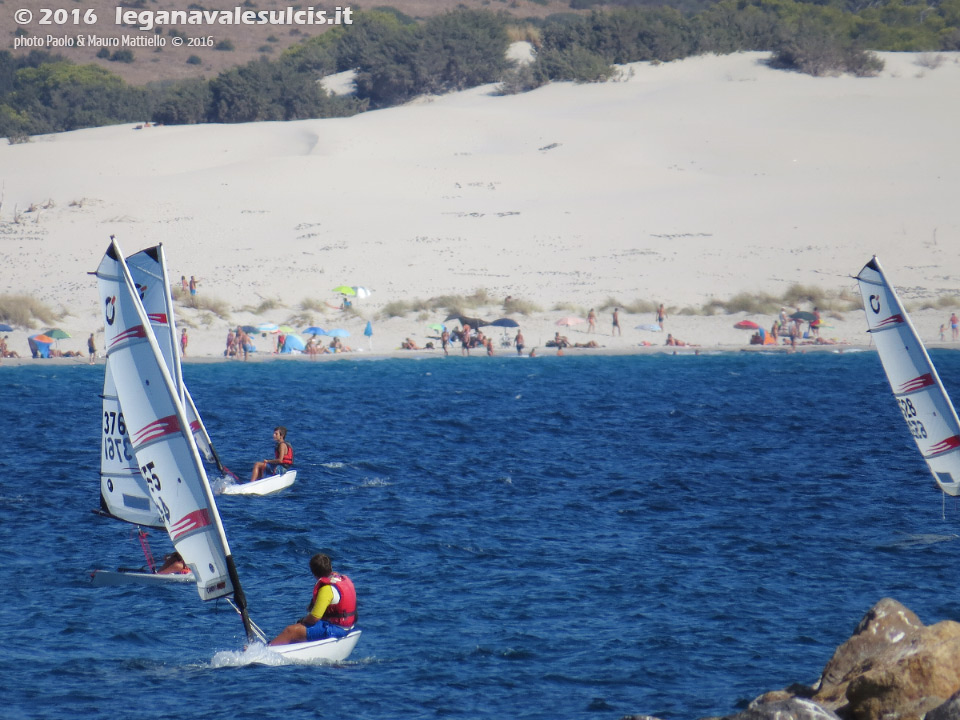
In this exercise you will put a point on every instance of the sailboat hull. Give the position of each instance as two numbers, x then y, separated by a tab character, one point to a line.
326	650
104	578
265	486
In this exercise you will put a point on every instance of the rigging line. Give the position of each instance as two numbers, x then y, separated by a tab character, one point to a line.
256	628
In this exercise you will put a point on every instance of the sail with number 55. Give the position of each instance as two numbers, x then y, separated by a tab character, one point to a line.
923	401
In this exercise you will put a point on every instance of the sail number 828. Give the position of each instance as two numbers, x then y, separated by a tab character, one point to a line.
909	413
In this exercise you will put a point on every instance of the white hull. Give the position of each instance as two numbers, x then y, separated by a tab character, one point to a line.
264	486
327	650
102	578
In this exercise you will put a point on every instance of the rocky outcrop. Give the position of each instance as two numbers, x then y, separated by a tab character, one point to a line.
893	668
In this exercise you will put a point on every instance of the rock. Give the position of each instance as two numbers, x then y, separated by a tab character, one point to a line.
893	667
950	710
773	706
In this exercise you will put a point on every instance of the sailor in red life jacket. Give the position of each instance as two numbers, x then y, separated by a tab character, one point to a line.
283	456
332	611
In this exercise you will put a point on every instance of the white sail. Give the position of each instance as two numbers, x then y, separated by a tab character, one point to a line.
148	268
923	401
160	433
123	492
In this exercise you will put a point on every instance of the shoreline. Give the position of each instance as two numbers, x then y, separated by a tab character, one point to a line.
265	358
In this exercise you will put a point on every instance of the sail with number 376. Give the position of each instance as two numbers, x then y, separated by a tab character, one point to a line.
923	401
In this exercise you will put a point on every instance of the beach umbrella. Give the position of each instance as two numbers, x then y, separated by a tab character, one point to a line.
40	345
267	328
437	327
361	292
568	321
56	334
338	332
505	322
5	328
345	290
368	330
314	330
293	342
286	329
803	315
747	325
249	329
650	327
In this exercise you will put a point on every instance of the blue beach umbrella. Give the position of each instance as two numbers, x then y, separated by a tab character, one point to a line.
338	332
314	330
368	330
268	328
293	342
5	328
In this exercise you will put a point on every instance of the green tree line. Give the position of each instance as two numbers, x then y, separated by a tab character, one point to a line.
396	58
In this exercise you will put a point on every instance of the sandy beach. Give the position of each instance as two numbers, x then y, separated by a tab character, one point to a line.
678	183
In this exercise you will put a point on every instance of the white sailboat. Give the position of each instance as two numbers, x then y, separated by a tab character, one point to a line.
123	492
923	401
168	457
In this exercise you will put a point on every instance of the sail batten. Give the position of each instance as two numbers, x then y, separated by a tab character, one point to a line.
923	401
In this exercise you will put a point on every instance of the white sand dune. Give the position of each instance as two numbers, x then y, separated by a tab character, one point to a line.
677	183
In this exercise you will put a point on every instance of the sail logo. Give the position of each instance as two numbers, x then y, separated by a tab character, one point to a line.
875	304
111	310
947	445
190	523
141	290
918	383
156	430
951	443
892	320
129	334
158	318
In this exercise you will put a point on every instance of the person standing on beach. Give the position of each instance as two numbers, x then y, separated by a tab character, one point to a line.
592	320
444	341
616	322
518	341
92	348
954	328
661	316
183	283
193	285
183	342
465	339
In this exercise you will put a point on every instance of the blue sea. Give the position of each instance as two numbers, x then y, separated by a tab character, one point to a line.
557	537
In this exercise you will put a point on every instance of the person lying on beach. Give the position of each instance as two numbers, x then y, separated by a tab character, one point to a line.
671	340
409	344
591	344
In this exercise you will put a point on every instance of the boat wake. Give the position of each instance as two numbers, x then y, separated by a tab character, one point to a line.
922	540
254	654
